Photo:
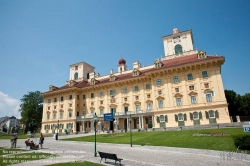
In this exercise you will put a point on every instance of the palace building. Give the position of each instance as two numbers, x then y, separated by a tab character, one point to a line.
183	88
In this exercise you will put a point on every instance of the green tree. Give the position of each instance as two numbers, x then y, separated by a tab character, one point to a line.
233	100
31	110
244	109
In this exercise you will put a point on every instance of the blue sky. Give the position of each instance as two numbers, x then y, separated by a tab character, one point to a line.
40	39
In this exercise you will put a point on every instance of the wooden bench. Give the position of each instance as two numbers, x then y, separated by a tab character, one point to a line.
31	145
109	156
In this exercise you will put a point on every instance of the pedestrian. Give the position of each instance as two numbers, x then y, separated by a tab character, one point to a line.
13	140
41	140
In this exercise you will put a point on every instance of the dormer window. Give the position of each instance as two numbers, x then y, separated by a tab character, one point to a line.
76	76
157	63
201	55
136	72
112	77
92	82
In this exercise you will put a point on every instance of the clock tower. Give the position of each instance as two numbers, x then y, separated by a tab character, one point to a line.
178	44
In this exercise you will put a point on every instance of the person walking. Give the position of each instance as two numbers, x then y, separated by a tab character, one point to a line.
41	140
13	140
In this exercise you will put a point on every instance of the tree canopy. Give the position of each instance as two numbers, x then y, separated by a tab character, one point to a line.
31	110
237	104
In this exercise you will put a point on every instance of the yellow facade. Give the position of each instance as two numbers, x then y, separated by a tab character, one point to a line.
183	89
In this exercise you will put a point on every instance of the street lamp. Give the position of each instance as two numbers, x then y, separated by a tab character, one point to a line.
95	118
130	121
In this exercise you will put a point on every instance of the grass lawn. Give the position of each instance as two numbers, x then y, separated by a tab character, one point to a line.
82	163
14	156
182	138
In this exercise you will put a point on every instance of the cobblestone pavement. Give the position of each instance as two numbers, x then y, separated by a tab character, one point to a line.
135	156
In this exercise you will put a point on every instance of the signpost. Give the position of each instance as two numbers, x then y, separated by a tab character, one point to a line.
108	117
246	128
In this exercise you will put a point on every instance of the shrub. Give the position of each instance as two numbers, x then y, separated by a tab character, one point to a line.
242	141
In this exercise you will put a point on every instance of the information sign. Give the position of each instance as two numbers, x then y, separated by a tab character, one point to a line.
108	117
246	128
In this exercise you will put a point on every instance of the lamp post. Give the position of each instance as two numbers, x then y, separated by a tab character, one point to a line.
95	118
130	121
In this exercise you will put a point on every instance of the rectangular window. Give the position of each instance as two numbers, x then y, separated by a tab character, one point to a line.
209	97
70	97
149	106
136	97
124	90
125	99
48	108
83	96
84	113
191	87
92	95
112	92
148	96
193	99
136	88
48	116
137	107
54	115
101	94
126	110
101	102
204	74
206	85
158	82
61	115
70	105
176	89
101	111
190	76
176	79
147	86
160	103
55	99
54	107
61	98
178	101
77	97
49	100
70	114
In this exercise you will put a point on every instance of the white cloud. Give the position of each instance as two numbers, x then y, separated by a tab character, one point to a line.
9	106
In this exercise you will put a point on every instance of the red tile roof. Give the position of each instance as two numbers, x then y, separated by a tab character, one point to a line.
171	63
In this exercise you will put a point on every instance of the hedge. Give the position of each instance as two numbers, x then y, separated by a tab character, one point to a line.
241	140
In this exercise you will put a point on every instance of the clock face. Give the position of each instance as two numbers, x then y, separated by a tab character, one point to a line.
176	39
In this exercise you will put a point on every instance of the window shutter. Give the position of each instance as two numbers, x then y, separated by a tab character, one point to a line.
176	117
217	114
146	120
207	116
200	115
191	116
185	117
158	119
166	118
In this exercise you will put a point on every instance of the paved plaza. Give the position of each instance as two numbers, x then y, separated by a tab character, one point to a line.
135	156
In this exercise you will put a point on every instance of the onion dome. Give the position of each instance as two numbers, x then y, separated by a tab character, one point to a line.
121	61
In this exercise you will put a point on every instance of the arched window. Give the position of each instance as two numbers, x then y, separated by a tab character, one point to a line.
76	75
178	48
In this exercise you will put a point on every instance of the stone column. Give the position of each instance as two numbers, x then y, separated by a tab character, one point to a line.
142	123
83	126
92	125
